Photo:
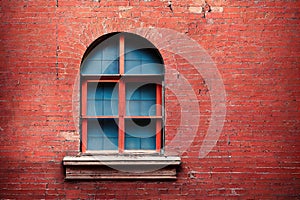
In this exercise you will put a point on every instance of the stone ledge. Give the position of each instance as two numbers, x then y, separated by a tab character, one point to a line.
121	167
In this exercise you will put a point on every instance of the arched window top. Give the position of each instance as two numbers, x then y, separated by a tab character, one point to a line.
122	53
122	95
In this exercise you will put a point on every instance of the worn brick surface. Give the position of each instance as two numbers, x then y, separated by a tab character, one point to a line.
254	44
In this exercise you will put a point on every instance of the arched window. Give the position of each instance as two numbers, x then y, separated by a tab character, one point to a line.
122	95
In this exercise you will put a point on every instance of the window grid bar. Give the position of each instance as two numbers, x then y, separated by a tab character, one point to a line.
103	81
129	78
143	117
99	117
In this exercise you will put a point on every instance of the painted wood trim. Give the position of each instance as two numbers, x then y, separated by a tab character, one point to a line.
108	174
158	113
122	107
122	54
103	81
99	117
84	121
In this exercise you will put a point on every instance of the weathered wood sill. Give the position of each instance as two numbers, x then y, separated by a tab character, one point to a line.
121	167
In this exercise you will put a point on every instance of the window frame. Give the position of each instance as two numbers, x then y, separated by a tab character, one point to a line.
121	79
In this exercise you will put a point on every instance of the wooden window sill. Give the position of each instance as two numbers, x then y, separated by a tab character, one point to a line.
121	167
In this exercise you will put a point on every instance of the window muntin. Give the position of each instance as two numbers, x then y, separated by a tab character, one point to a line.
122	96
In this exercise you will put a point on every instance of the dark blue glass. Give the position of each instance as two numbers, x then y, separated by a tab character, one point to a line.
140	134
102	99
141	57
140	99
102	134
103	59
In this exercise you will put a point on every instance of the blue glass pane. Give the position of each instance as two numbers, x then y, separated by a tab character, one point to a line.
110	49
94	139
107	107
92	90
110	67
94	143
132	143
133	91
150	54
100	67
147	108
91	67
133	53
148	143
103	59
102	134
142	58
110	134
98	92
111	107
99	107
140	134
94	108
133	108
102	99
95	54
93	128
133	67
110	143
109	127
140	99
91	108
151	68
148	92
108	89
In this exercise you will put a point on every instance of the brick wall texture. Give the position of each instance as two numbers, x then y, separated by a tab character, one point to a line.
255	47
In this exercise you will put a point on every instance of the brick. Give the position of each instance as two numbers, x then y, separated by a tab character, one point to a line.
195	9
254	45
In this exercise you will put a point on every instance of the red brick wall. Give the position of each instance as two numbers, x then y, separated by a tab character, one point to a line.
255	47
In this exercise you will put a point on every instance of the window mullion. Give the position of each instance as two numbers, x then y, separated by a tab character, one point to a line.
122	56
83	113
121	97
121	115
158	113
